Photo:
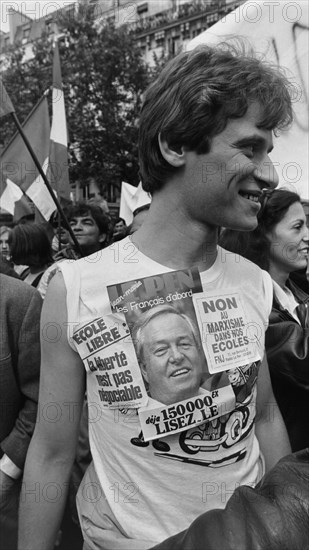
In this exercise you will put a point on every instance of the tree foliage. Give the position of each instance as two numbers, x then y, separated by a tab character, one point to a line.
104	77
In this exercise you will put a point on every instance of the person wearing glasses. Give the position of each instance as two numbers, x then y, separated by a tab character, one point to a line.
280	245
205	134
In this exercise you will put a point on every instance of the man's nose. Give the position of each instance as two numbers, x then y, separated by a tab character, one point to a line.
77	226
175	354
266	174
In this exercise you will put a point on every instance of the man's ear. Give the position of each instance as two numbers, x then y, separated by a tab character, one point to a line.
173	157
102	237
143	370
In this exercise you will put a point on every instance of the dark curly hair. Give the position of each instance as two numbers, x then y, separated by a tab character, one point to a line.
81	209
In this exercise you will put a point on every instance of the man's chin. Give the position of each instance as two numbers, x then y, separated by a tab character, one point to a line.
248	225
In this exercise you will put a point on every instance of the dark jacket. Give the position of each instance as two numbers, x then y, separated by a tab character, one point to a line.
19	366
287	344
273	516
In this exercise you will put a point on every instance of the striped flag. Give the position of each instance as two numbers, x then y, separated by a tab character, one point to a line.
11	194
14	201
17	166
132	198
6	106
58	172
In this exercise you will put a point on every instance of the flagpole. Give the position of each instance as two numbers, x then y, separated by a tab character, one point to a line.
59	234
50	189
26	119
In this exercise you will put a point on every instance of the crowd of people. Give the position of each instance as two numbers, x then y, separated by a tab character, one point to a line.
178	13
160	370
29	250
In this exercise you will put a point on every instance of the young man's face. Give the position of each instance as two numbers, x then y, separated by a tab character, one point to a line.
119	229
172	361
222	187
87	232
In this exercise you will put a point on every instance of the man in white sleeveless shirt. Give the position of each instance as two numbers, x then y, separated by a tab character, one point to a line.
206	130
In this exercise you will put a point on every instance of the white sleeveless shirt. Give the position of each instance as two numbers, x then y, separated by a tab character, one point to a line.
155	489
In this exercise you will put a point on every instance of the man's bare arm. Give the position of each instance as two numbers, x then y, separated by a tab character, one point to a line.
52	448
270	428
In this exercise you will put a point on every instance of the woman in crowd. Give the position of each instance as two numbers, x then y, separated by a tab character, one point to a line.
4	243
280	245
6	265
30	246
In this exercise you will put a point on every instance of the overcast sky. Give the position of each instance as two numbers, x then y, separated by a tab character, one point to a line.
35	10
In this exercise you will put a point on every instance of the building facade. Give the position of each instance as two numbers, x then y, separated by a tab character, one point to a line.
26	29
159	26
162	26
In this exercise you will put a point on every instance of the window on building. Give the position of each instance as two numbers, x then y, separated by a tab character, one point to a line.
26	32
176	45
212	18
159	36
142	9
48	25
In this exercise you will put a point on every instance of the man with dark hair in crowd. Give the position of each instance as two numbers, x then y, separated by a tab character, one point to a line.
206	130
120	229
90	226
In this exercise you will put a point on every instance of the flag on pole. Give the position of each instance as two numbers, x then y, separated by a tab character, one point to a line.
16	202
132	198
6	106
58	171
11	194
25	207
17	166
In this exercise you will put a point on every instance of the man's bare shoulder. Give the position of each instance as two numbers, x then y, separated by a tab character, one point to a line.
56	286
54	324
54	306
